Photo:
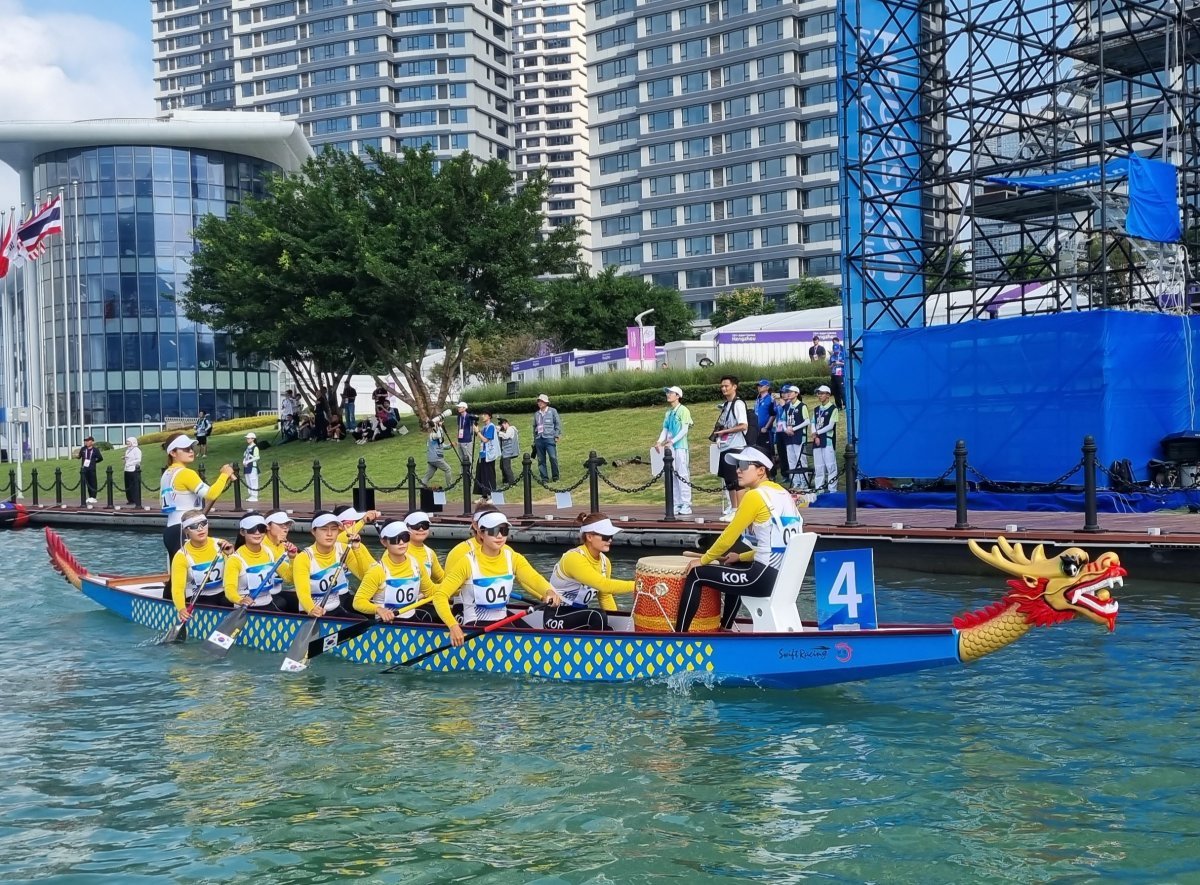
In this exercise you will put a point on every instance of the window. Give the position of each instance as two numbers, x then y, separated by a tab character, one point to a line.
662	153
662	184
824	127
622	162
621	224
660	120
770	66
623	255
739	207
776	168
697	82
739	174
813	164
617	67
617	131
771	100
689	50
612	101
817	59
775	235
658	56
824	266
695	115
662	217
738	141
616	193
820	196
664	249
606	8
695	15
769	32
696	147
660	88
740	273
699	279
697	245
659	23
737	107
697	181
613	37
739	240
775	201
694	213
665	279
736	73
775	269
821	93
738	39
822	231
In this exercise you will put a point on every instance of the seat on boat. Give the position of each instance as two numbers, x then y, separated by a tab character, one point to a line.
777	613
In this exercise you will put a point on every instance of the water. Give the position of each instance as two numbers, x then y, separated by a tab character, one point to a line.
1069	757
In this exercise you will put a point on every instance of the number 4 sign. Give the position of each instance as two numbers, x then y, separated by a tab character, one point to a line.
846	590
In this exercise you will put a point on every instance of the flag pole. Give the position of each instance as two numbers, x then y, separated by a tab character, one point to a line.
53	422
78	306
17	436
35	373
5	336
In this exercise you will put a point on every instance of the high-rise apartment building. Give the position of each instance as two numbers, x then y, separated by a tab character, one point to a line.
369	73
550	74
714	142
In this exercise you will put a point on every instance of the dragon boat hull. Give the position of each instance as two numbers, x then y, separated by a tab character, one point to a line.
775	660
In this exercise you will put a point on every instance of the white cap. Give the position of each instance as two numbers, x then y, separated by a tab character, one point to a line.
180	442
492	518
678	391
393	529
542	398
461	406
417	516
824	389
350	515
252	520
325	519
600	527
195	520
251	435
749	455
279	518
790	388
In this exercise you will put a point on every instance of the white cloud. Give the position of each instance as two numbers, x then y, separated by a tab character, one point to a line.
68	67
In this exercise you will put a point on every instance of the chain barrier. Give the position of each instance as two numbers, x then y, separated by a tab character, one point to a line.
715	490
303	488
551	488
384	489
985	480
453	484
635	489
335	489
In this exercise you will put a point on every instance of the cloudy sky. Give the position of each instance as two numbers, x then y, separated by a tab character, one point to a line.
72	60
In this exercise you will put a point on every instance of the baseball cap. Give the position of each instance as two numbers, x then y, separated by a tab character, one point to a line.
181	442
417	516
824	389
279	517
492	519
790	388
675	390
749	455
323	519
251	435
542	398
764	382
461	406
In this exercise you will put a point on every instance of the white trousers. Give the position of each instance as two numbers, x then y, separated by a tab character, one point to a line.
797	467
250	477
683	491
825	469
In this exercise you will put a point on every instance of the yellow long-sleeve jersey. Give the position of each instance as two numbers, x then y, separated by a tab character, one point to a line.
458	574
578	568
200	556
244	557
752	511
358	560
428	557
386	568
458	551
184	490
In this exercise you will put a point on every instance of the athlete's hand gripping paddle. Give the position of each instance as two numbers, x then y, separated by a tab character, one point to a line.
297	654
220	640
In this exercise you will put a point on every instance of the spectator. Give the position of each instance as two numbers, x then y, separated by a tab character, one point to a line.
289	406
510	447
133	473
730	437
203	428
816	353
547	431
288	428
89	457
823	430
466	433
320	418
306	428
837	372
250	466
435	453
336	430
676	424
362	432
489	453
349	395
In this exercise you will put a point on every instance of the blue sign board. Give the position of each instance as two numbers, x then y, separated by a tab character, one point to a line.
846	590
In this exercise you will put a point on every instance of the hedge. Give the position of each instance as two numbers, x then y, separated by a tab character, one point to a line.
233	425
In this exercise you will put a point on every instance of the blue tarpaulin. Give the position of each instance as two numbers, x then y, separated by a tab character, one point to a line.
1106	502
1023	392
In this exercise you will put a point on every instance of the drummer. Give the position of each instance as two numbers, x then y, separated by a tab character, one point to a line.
419	523
197	566
398	580
766	519
324	565
486	574
251	576
584	575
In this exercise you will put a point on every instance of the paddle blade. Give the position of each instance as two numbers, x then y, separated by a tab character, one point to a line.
176	633
296	659
225	636
321	644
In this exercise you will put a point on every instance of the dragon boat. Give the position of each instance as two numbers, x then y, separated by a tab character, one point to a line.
773	648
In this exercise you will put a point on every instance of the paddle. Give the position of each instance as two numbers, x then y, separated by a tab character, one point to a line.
174	631
321	644
293	661
474	634
222	639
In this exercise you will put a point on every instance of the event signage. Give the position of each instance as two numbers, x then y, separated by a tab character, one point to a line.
845	582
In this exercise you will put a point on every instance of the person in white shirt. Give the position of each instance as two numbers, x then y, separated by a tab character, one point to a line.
730	437
676	424
133	472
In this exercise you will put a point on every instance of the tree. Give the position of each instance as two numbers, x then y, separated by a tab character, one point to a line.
947	271
809	292
388	255
746	301
1029	264
490	359
593	312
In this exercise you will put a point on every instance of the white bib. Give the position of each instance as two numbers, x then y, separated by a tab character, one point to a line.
486	598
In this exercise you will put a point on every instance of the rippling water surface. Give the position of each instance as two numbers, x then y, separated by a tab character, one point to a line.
1071	756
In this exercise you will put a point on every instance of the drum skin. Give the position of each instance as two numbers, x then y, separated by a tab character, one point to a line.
658	588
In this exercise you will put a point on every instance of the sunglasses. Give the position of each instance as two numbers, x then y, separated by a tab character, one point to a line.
420	527
603	537
256	529
500	530
402	538
196	526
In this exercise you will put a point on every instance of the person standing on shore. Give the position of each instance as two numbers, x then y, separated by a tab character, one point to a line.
435	454
489	454
466	433
676	424
837	372
547	431
203	428
89	457
349	395
824	439
730	437
133	472
250	459
510	448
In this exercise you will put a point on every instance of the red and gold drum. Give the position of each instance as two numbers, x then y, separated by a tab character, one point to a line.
658	588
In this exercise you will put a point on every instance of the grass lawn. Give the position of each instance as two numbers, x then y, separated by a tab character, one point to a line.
616	435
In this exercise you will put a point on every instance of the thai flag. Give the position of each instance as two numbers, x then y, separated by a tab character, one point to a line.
45	221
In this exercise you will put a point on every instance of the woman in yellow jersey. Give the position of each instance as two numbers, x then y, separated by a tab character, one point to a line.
251	575
418	523
198	560
486	575
584	575
278	525
353	522
459	550
396	581
182	489
766	519
319	569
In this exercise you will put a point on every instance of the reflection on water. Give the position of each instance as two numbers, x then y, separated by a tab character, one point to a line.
1064	757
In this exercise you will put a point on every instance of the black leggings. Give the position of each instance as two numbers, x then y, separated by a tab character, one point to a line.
573	617
733	582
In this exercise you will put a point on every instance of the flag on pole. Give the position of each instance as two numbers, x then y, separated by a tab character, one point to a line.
12	252
41	224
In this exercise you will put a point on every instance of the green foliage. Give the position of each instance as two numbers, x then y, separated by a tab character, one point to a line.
593	312
947	271
736	304
233	425
809	292
1029	264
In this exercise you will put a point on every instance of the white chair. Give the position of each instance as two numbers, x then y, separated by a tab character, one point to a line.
777	613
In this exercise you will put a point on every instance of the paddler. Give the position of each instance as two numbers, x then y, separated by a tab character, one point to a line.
583	576
251	578
326	566
198	564
486	575
183	489
766	519
353	522
419	524
396	581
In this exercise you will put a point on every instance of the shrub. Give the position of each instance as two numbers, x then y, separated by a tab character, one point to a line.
233	425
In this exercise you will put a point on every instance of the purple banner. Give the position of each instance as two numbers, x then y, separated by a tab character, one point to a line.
635	335
777	336
556	359
601	356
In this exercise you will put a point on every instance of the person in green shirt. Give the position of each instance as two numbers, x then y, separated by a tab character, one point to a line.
676	424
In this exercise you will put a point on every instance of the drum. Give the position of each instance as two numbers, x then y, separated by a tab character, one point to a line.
658	588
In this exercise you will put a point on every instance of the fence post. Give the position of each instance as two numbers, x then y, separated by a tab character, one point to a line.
466	481
668	472
527	484
1090	522
83	495
58	485
360	483
960	485
850	469
108	480
237	491
593	464
34	480
316	485
412	484
12	484
137	488
202	471
274	485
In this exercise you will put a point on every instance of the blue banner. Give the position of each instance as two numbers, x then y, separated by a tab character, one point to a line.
845	588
